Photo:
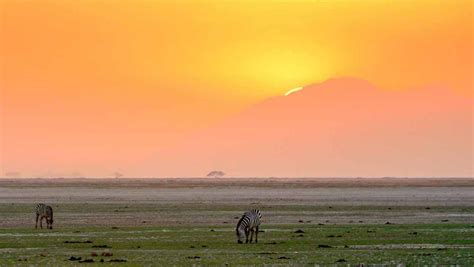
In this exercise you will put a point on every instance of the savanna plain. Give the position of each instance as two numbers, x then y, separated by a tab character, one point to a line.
191	222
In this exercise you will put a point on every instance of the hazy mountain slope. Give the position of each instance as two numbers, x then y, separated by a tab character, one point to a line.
342	127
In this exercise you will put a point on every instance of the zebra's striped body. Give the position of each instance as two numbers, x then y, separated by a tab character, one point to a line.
44	212
248	225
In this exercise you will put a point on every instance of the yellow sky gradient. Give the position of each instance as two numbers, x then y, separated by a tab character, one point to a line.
109	72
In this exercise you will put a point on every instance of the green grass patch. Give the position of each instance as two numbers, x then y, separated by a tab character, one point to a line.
412	245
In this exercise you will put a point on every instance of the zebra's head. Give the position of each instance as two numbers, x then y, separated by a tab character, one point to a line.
240	230
240	234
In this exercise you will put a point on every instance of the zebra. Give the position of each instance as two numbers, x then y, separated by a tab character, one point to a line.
248	225
44	211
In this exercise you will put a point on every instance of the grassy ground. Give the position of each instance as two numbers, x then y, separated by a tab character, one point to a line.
174	222
412	245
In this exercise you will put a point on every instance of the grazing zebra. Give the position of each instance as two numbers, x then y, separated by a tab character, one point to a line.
248	225
44	211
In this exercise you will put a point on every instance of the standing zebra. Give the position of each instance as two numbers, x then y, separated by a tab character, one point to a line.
44	211
248	225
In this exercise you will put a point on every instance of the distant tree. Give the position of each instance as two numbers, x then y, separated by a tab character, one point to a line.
117	175
216	174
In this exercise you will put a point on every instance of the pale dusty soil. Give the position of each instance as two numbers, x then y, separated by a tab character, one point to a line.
127	202
253	182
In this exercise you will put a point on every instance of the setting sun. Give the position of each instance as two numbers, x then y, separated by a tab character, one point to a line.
293	90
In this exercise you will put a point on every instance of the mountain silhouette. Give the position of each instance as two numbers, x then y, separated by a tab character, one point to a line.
342	127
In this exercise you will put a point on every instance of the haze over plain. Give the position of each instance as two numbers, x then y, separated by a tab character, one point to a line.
91	88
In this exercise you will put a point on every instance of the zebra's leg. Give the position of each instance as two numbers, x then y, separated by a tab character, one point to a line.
41	222
36	224
251	235
256	235
247	233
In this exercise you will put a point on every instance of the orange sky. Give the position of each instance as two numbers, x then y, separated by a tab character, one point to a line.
96	86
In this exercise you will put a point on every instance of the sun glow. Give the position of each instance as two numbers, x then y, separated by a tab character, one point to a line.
293	91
